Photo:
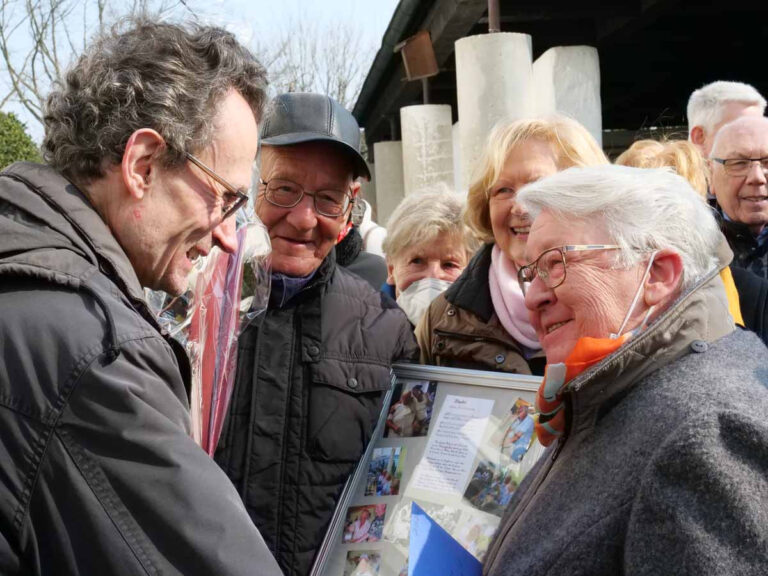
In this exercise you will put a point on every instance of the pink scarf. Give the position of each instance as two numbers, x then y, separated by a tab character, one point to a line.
508	300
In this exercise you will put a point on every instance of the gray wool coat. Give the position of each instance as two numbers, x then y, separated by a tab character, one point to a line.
664	469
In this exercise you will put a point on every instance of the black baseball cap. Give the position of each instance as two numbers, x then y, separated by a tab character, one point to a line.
298	117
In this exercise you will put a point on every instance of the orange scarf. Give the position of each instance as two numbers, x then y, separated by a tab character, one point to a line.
550	423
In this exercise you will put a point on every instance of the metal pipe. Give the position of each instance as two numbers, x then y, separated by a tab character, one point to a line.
494	20
425	89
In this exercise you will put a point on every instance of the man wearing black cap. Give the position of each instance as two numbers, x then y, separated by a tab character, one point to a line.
313	371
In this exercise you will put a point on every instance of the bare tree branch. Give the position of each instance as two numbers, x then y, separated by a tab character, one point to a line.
39	37
311	57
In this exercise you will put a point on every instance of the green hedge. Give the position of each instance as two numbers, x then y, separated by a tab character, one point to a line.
15	143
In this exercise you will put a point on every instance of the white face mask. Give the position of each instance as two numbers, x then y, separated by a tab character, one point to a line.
415	299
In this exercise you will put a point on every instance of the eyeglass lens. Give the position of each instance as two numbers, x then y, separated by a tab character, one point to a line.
288	194
550	267
741	166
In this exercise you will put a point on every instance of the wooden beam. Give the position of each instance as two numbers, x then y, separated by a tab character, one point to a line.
550	13
619	28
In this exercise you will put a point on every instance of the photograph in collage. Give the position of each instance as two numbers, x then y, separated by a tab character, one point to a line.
411	410
385	472
364	523
362	563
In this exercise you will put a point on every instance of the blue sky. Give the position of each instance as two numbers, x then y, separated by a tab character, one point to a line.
261	21
261	17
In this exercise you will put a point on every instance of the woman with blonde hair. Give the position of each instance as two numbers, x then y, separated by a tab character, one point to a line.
481	321
681	155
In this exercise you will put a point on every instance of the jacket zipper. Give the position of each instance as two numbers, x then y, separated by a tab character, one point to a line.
286	425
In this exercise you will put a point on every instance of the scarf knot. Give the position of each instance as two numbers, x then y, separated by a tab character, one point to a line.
550	422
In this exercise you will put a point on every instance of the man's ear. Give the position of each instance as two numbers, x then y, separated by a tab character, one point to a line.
698	136
664	277
344	230
710	177
390	271
139	160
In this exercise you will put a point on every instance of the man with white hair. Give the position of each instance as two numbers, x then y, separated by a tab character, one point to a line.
714	105
312	373
739	165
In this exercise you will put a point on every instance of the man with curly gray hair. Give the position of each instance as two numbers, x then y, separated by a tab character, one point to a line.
150	140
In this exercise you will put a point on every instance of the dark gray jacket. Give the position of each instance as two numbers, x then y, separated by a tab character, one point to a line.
370	267
98	473
310	382
747	253
664	469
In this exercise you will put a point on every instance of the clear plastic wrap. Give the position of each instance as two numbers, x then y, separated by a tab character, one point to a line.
227	292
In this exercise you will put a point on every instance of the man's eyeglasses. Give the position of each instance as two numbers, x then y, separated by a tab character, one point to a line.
741	166
287	194
233	199
550	265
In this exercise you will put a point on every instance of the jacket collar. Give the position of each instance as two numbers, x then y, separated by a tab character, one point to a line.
471	290
320	276
349	248
86	228
736	230
700	314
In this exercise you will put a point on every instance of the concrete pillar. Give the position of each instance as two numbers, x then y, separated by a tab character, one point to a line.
494	81
427	147
567	80
368	191
456	137
389	178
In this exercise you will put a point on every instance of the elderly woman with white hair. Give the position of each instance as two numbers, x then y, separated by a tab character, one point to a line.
427	247
653	405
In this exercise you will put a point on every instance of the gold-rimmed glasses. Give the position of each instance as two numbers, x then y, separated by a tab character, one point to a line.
550	265
233	198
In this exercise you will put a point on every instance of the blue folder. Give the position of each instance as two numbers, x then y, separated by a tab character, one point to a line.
434	552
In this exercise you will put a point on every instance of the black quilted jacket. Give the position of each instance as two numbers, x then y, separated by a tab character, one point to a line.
310	383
